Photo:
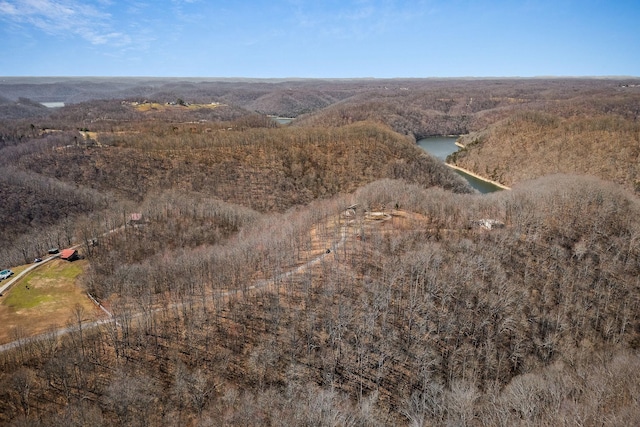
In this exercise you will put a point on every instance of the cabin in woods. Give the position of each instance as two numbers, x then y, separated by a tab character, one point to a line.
136	219
69	254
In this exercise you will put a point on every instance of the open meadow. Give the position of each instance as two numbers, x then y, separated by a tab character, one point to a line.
48	298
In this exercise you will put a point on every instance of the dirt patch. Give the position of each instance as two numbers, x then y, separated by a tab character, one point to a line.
155	106
377	216
44	299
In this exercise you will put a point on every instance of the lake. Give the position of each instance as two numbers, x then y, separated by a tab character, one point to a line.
283	120
441	146
53	104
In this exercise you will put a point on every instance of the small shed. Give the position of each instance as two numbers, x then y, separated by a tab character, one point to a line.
69	254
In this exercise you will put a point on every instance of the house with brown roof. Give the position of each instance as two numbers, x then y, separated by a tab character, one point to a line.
69	254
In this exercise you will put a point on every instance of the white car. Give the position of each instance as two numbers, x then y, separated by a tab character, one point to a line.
5	274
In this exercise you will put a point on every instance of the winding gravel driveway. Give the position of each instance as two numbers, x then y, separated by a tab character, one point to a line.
259	284
24	272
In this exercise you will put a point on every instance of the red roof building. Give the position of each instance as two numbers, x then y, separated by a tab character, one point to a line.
69	254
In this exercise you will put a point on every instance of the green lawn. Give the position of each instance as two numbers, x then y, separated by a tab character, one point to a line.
20	297
41	286
45	298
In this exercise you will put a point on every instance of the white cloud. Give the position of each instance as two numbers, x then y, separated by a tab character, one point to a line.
63	17
7	9
357	19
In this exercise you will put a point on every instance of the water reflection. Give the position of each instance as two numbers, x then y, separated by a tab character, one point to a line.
441	146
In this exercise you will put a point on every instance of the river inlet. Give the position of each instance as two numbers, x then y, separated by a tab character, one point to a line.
441	146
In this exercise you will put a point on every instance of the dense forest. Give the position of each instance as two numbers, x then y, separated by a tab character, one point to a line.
600	138
327	272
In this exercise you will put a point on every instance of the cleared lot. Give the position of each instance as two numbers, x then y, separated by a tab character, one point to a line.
44	298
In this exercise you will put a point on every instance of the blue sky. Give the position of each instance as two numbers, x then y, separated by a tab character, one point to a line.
304	38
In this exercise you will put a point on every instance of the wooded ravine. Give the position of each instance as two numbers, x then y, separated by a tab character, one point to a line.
329	271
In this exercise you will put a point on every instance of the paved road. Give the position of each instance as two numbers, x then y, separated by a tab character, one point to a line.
5	287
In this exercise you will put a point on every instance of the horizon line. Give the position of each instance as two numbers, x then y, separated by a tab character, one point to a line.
324	78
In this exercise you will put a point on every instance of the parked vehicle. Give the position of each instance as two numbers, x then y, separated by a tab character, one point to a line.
5	274
53	251
37	260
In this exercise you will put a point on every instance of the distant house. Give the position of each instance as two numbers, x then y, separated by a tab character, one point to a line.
136	219
69	254
487	224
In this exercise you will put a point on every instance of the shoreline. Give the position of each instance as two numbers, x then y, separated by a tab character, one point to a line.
496	183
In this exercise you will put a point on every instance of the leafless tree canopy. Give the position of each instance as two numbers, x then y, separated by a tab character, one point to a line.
328	272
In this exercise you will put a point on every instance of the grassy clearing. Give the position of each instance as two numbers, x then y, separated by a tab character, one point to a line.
155	106
21	297
43	299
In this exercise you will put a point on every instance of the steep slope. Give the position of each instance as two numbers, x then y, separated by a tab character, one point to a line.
534	144
265	169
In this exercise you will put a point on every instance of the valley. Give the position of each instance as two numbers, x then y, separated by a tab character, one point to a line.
326	271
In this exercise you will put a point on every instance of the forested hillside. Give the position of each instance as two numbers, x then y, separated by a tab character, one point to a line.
327	272
599	139
454	107
250	161
22	107
416	319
